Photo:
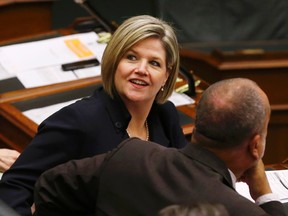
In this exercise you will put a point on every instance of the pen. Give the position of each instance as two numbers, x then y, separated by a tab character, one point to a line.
282	183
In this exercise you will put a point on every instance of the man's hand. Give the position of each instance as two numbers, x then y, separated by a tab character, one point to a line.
257	181
7	158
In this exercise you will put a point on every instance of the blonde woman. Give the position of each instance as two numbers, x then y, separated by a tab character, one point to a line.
139	70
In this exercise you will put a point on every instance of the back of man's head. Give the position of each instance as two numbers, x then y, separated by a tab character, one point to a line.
231	111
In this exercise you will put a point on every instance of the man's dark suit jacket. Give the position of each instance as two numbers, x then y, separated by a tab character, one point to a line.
140	178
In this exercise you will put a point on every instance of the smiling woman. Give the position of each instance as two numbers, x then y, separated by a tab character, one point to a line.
139	70
142	72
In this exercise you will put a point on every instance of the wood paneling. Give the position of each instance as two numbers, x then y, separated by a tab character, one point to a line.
20	18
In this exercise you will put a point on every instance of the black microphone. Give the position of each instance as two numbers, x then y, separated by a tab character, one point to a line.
190	80
92	11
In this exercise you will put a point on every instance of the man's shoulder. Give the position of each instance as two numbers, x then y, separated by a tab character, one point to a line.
137	149
137	144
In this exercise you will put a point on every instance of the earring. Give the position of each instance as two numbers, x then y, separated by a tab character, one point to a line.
162	88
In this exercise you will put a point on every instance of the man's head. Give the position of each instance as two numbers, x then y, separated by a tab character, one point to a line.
233	114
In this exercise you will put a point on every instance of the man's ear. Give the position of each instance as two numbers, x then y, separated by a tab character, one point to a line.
255	147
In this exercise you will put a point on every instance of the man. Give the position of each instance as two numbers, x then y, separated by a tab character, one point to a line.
140	178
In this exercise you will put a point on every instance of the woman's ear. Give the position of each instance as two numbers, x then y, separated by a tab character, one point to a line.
166	76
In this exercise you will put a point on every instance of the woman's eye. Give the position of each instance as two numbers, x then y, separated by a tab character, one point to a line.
155	63
131	57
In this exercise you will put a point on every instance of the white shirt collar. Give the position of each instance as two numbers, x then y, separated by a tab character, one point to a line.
233	177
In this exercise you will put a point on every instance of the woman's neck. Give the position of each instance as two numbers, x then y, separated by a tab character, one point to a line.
138	125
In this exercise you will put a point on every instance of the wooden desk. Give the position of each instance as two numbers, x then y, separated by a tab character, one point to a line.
264	62
16	130
24	17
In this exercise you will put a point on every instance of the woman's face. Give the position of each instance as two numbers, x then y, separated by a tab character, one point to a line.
142	71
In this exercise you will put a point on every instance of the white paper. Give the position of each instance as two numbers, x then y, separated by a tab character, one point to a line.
88	72
22	57
279	183
277	187
180	99
45	76
39	114
4	74
39	63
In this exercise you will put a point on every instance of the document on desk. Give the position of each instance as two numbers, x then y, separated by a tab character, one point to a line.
35	63
278	180
180	99
39	114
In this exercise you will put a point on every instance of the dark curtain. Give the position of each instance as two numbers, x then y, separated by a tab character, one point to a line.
226	20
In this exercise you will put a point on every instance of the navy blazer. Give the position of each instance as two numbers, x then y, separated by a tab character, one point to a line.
140	178
90	126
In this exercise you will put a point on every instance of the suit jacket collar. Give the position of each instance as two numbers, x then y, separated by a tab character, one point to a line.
116	109
204	156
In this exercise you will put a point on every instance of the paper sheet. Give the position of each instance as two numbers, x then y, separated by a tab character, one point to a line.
39	63
88	72
39	114
45	76
4	74
180	99
22	57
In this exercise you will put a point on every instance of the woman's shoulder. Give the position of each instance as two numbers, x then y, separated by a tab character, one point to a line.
81	108
168	106
96	99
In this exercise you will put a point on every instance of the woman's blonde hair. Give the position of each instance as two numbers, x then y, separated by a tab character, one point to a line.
132	31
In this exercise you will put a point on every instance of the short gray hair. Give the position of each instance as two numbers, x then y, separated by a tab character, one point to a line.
231	110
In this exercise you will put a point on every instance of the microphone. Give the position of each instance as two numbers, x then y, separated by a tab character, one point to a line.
190	80
92	11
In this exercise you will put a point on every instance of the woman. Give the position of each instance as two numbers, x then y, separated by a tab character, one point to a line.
139	70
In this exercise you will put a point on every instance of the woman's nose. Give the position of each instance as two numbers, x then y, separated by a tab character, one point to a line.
142	68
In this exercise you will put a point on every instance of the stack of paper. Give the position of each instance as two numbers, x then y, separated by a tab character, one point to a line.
39	63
